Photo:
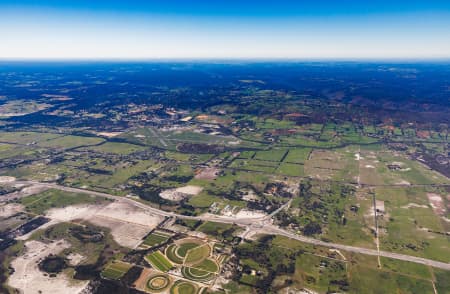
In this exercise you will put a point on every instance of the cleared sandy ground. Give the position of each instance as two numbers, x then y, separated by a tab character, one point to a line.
29	279
124	233
209	173
180	193
436	203
6	179
10	209
27	191
109	134
243	213
128	224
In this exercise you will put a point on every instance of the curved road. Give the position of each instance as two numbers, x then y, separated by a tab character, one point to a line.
261	224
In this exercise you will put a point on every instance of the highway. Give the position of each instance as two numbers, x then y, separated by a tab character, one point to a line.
262	224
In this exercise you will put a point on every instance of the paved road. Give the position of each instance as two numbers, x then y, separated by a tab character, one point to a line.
277	231
261	224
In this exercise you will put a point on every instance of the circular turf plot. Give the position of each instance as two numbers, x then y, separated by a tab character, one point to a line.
171	253
196	274
158	283
183	249
197	249
197	254
183	288
208	265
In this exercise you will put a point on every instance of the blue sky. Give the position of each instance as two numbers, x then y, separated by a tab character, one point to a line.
131	29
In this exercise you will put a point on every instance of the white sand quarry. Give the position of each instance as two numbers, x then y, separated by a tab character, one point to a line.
128	224
10	209
29	279
180	193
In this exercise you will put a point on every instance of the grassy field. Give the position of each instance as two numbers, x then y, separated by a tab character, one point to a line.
271	155
297	155
171	253
208	265
40	203
183	287
197	274
26	137
374	169
318	269
412	226
213	228
115	270
159	261
158	283
70	141
290	169
197	254
117	148
155	238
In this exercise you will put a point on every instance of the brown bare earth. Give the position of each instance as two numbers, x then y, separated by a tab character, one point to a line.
209	173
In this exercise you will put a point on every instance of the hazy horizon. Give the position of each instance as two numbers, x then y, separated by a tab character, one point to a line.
280	30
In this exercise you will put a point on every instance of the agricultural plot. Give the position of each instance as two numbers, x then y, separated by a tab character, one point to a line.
183	287
338	164
254	165
197	275
115	270
117	148
26	137
290	169
157	237
159	261
197	255
392	168
69	141
276	155
297	155
196	258
322	270
158	283
409	224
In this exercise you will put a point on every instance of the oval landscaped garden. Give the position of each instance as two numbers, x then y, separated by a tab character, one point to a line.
158	283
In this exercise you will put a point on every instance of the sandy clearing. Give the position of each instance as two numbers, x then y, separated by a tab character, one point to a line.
10	209
410	205
250	195
141	282
244	213
190	189
126	212
124	233
128	224
66	214
27	191
208	173
29	279
180	193
403	182
75	258
172	195
399	163
69	213
436	203
109	134
7	179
